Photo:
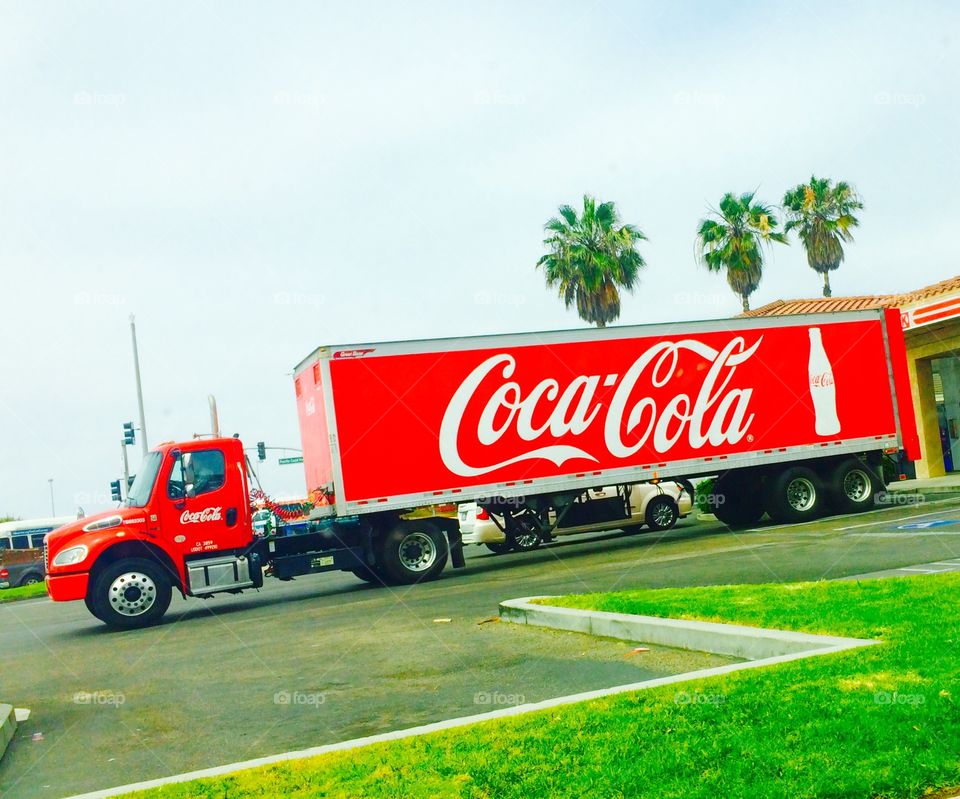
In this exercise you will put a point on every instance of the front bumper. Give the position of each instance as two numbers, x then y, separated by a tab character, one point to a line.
67	587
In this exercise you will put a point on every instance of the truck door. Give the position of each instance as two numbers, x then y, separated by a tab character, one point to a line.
203	503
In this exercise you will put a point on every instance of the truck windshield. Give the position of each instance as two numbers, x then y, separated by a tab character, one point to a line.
139	493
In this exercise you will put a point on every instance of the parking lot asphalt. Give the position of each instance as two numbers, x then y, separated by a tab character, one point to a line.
328	658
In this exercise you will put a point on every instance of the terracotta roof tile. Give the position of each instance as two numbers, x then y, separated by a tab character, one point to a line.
866	302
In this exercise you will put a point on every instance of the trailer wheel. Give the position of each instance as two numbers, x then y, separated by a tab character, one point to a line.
852	485
662	513
795	495
130	593
735	501
412	552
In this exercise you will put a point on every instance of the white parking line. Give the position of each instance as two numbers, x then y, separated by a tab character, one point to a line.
923	571
860	515
946	563
887	521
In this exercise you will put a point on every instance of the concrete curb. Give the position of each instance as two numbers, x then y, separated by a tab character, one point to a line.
8	727
734	640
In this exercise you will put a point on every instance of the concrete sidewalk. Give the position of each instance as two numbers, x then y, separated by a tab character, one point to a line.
930	486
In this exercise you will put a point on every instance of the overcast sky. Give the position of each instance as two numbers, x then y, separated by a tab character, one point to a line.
253	180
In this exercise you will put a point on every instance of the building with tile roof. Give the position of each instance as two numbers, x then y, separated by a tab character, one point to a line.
930	317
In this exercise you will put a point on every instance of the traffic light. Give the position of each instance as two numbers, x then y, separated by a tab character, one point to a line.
261	451
128	437
115	491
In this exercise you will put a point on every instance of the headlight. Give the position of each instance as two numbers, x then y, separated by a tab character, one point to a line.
71	556
103	524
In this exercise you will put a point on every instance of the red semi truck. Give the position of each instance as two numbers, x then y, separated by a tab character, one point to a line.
791	415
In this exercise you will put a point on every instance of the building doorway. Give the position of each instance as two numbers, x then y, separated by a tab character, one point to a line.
946	391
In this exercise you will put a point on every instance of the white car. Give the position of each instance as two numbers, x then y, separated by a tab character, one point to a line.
657	506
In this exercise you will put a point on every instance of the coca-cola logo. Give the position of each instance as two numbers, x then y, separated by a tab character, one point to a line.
200	516
822	379
632	419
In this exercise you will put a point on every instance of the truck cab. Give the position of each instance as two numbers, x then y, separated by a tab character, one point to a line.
184	525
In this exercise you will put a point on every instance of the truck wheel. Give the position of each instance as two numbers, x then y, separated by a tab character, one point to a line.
852	486
795	495
661	514
131	593
412	552
735	501
368	574
499	549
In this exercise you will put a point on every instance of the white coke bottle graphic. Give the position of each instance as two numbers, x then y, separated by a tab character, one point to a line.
822	390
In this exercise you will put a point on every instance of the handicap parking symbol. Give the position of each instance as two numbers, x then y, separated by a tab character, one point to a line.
926	525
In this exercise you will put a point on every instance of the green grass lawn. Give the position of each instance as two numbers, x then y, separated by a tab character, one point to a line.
877	722
26	592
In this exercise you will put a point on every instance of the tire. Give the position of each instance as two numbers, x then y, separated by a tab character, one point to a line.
795	495
31	578
524	535
131	593
851	486
368	574
414	551
499	549
662	513
735	500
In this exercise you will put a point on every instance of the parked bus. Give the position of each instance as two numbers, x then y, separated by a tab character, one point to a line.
29	533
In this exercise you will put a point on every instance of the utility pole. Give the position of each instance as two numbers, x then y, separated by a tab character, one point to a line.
53	510
136	369
126	468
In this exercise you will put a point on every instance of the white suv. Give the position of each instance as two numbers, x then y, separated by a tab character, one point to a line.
657	506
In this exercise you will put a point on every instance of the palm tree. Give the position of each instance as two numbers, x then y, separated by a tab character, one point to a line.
590	258
823	216
734	239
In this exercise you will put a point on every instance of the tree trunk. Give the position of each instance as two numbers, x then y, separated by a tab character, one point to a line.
746	302
601	323
826	285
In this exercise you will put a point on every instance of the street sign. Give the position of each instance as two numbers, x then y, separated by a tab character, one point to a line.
285	461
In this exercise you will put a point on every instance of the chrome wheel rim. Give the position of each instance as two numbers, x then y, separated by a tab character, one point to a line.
417	552
132	594
857	485
801	494
663	514
527	539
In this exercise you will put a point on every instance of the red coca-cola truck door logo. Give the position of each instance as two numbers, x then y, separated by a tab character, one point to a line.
514	413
